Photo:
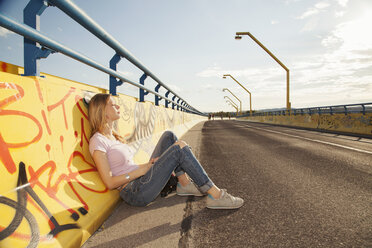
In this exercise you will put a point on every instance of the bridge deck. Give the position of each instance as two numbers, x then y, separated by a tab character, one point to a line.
301	188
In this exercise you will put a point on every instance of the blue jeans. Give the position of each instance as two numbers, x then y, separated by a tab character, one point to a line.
146	188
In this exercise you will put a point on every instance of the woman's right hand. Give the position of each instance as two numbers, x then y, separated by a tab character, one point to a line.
146	167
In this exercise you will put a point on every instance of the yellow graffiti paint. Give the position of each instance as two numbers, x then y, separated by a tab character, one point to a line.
50	182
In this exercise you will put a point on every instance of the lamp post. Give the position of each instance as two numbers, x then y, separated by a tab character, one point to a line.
250	95
239	37
233	106
224	89
231	101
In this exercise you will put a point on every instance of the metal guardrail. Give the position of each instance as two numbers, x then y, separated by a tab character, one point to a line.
32	52
335	109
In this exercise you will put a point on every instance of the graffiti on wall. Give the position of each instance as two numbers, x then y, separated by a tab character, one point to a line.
35	127
52	184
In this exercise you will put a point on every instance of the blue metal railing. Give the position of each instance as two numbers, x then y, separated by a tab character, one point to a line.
32	53
335	109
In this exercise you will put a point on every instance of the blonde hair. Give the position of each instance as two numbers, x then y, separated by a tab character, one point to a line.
97	115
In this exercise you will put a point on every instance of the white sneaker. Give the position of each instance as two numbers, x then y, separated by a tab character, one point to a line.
189	189
226	201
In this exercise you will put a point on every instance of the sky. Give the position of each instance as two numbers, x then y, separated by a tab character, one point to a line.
189	45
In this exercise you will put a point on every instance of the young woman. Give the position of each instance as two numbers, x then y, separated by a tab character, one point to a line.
140	184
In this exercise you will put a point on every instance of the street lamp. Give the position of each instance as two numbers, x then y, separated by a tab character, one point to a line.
224	89
233	106
250	95
239	37
231	101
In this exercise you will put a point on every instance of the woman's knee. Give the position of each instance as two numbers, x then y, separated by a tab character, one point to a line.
181	143
170	135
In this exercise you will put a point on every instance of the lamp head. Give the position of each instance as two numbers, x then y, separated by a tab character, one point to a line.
238	37
223	77
224	89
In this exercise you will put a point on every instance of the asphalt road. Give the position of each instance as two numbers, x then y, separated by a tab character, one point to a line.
301	188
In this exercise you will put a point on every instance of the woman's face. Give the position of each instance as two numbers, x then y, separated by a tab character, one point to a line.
112	110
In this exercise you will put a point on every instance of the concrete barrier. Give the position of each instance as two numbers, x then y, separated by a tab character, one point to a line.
51	194
351	123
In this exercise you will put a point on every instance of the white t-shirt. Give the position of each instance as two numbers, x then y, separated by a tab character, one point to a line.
119	155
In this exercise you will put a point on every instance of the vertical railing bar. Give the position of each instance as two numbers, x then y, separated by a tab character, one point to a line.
31	51
114	83
156	97
173	100
142	92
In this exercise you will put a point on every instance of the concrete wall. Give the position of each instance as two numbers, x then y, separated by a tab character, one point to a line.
51	193
355	123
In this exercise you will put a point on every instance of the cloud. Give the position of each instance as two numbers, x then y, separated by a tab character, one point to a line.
268	77
207	86
341	74
291	1
175	88
318	7
5	32
339	13
343	3
331	40
213	71
218	72
351	35
273	22
310	25
322	5
308	13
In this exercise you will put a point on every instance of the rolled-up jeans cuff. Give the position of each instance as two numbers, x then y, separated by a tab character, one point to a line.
179	173
206	187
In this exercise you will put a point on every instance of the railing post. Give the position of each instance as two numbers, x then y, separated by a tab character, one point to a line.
331	111
364	109
142	92
113	81
178	101
174	97
32	52
345	109
166	101
157	98
181	108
